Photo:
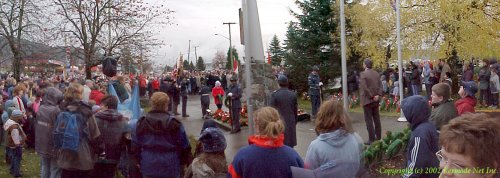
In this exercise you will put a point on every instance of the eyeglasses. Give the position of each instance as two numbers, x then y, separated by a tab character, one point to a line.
452	166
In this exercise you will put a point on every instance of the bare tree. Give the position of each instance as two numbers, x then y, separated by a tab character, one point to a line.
18	18
218	60
128	23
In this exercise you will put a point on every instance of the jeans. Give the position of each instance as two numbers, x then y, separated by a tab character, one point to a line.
16	155
315	103
8	155
372	117
414	89
48	167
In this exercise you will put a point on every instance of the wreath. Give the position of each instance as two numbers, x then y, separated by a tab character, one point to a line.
226	102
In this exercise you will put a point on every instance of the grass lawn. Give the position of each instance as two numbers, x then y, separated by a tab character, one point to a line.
306	105
30	165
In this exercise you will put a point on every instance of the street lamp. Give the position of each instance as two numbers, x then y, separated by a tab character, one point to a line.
221	36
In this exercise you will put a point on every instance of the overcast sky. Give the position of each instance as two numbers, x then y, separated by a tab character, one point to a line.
200	20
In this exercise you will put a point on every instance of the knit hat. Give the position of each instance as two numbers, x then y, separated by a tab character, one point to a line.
315	68
470	88
209	123
16	113
213	140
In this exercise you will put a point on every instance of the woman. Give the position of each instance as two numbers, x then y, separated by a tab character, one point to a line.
337	149
469	147
218	92
266	155
160	142
78	164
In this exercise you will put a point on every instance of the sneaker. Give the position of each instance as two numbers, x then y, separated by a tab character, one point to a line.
402	119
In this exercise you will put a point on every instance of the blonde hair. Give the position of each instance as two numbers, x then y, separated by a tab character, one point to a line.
74	92
332	116
268	122
159	101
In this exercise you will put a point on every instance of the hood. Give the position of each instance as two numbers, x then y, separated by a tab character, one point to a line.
416	110
157	123
336	138
9	123
109	115
52	96
467	100
8	104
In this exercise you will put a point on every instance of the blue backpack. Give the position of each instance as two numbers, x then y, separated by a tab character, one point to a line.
68	131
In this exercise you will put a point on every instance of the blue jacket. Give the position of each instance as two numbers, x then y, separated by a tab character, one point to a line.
264	157
162	145
313	82
423	143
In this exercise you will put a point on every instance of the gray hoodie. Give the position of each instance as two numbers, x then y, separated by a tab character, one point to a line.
46	116
334	148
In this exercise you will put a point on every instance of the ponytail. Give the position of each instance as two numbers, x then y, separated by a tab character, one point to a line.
268	122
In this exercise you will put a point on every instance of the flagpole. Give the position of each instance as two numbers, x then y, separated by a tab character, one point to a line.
343	54
400	62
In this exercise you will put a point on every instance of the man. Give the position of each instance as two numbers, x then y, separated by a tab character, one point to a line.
285	101
173	92
371	89
444	110
164	87
87	88
314	90
184	84
112	141
205	99
234	93
444	68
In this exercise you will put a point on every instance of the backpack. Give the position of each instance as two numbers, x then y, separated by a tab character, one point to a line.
68	131
109	67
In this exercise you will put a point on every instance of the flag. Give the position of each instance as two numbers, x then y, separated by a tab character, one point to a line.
268	57
235	66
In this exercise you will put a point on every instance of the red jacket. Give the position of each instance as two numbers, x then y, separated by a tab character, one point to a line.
96	95
216	91
142	83
465	105
155	85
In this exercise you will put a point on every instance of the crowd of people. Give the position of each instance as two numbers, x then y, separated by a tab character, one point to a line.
77	130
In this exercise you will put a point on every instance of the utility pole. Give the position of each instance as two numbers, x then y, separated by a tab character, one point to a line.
230	45
195	54
189	51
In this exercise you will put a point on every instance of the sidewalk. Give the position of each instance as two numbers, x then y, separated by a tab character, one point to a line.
305	130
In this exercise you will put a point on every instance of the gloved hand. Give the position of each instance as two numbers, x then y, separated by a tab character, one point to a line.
320	83
230	94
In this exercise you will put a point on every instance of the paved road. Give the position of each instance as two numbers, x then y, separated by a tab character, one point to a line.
305	132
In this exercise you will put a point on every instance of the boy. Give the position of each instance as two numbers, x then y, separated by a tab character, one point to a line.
423	142
15	141
467	100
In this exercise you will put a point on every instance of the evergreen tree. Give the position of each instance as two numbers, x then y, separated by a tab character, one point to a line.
313	40
185	65
276	51
200	64
191	66
235	56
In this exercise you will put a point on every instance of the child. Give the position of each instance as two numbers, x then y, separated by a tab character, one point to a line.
212	162
395	91
467	100
494	87
384	84
15	141
423	143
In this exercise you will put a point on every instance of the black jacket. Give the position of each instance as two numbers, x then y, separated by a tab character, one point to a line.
113	127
